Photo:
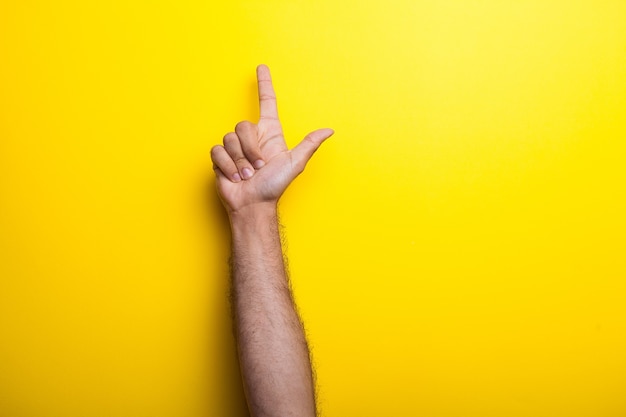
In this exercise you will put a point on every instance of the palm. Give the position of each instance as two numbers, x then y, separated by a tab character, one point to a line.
266	185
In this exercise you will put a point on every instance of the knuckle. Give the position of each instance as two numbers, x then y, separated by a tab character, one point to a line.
215	150
243	126
242	162
252	152
298	167
230	137
310	141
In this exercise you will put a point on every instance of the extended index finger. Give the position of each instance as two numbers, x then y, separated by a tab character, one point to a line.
267	96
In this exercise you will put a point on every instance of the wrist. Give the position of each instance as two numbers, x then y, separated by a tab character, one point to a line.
254	214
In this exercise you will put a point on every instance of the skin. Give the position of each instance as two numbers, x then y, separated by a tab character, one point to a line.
253	168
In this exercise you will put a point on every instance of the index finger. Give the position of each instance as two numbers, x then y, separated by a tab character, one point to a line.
267	96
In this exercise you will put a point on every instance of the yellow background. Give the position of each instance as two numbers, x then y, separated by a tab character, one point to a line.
457	248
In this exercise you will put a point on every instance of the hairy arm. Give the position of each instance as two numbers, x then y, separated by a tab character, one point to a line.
253	169
272	347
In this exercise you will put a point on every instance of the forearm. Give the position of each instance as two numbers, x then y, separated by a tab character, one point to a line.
273	353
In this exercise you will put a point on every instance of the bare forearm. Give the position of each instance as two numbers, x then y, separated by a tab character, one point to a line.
273	353
253	168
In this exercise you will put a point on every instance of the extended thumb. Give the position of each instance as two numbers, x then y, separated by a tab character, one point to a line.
303	151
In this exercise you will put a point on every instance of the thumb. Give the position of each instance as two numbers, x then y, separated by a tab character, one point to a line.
303	151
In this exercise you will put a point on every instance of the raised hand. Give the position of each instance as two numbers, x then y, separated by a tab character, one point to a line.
254	165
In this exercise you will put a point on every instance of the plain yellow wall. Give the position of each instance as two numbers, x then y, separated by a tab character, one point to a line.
457	248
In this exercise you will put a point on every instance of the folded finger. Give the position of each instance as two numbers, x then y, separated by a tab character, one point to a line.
224	163
249	140
232	144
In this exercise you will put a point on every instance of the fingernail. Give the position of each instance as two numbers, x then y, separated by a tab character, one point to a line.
259	163
236	177
247	173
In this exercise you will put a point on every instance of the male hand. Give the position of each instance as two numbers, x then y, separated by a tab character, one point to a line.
254	166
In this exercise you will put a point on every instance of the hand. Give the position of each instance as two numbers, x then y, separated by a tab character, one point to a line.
254	166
